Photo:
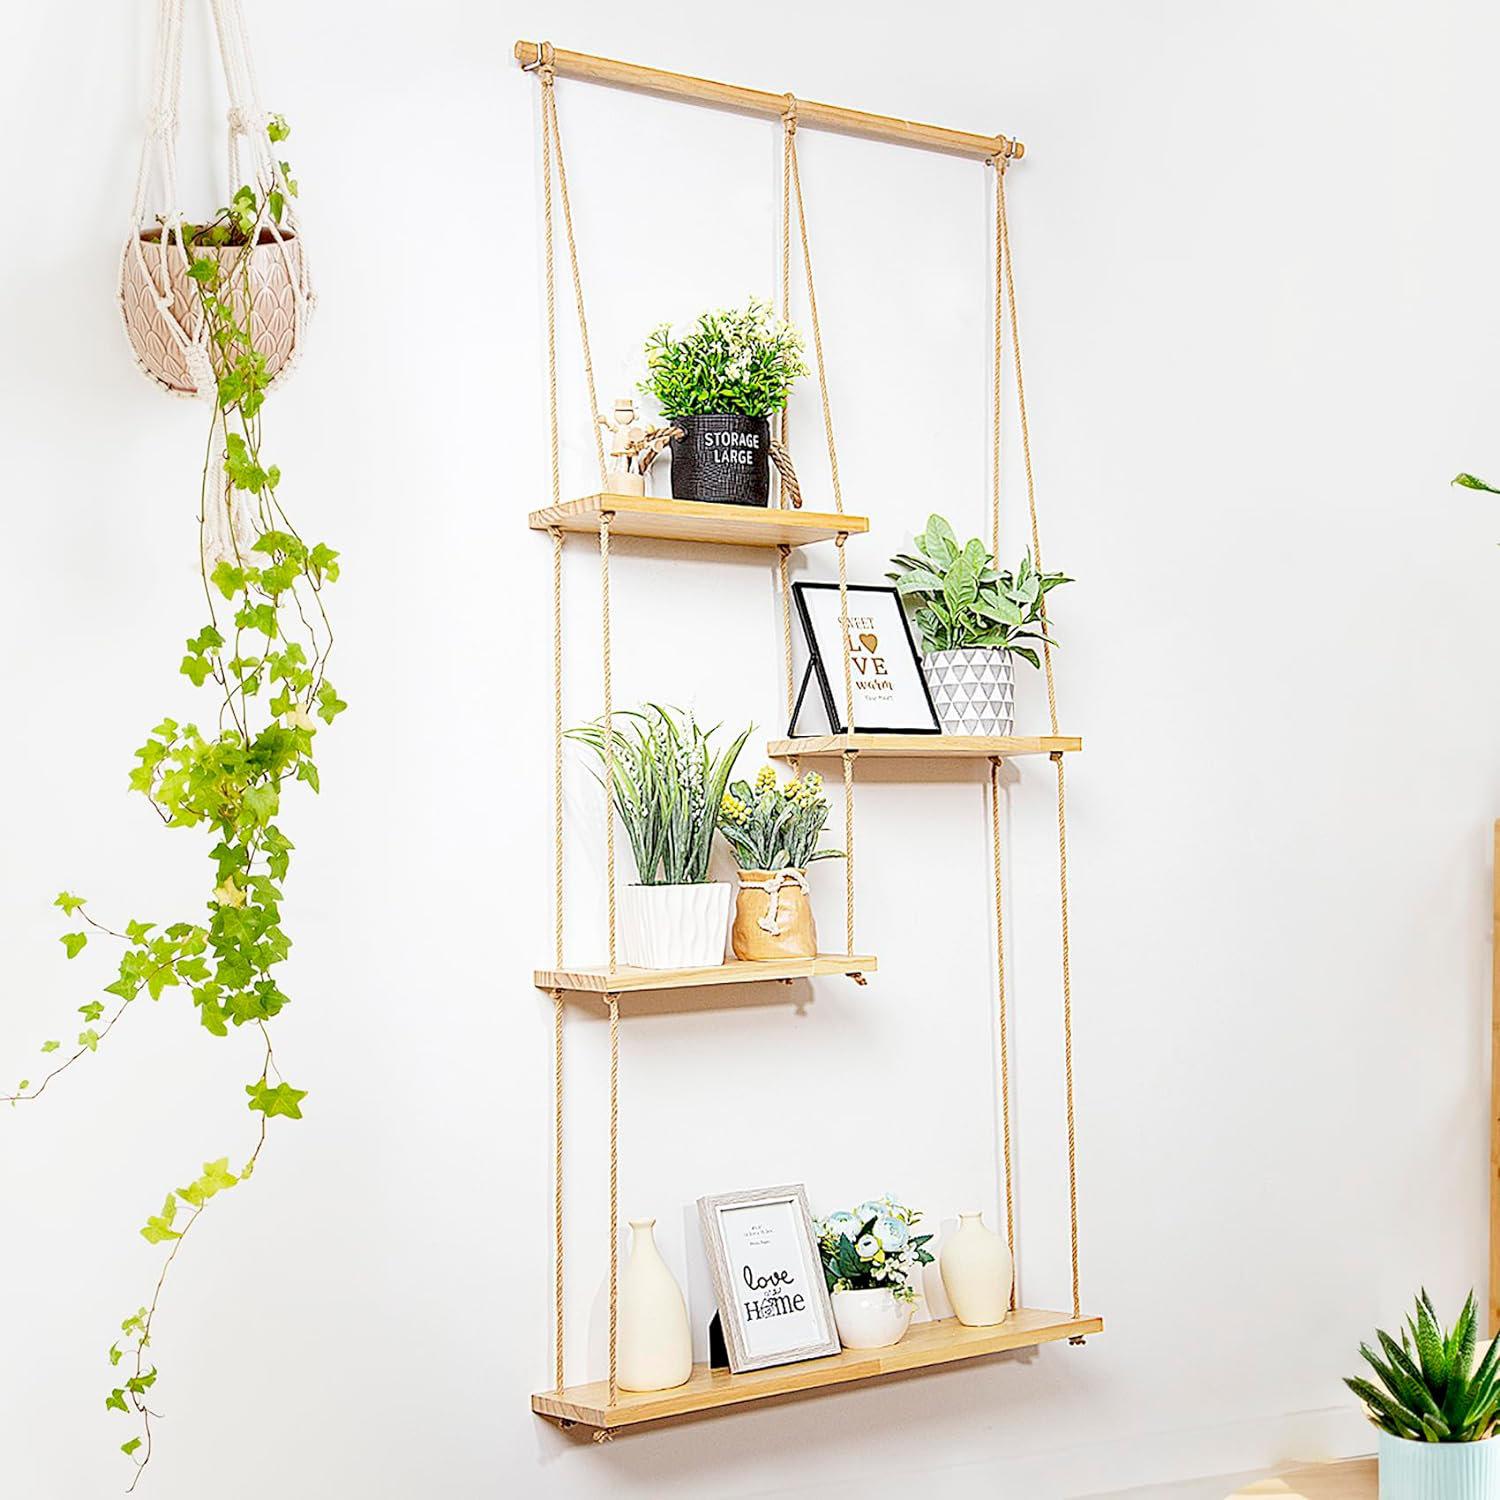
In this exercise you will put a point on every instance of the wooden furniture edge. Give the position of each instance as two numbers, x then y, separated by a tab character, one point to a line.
851	1367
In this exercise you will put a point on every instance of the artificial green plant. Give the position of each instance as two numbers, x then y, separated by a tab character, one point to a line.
1430	1390
772	827
962	599
262	657
741	361
668	786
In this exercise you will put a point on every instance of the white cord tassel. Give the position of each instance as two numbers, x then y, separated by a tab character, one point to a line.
228	529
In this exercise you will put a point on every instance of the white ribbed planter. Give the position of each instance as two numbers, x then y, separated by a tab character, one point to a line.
973	689
675	926
1439	1471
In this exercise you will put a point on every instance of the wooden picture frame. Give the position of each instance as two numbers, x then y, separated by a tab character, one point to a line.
888	686
767	1275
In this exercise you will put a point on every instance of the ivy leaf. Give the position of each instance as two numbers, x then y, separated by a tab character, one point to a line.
89	1039
74	942
92	1011
330	705
215	1179
50	1046
69	903
116	1354
196	669
261	802
128	1448
159	1226
115	1401
1469	482
282	1100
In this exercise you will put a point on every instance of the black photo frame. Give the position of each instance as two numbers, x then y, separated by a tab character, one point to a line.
889	614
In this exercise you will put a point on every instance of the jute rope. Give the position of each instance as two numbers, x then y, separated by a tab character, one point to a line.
791	197
544	74
996	408
848	756
605	518
552	152
789	130
550	132
557	948
614	1198
794	173
1004	260
1010	1197
784	566
557	1188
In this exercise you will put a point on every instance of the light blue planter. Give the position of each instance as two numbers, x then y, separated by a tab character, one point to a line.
1439	1471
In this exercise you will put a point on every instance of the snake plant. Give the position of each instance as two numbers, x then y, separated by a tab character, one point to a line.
1430	1391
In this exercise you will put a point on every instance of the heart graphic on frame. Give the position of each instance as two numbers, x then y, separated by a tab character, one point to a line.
869	640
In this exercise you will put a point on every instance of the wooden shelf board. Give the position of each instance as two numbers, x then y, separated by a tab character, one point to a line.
621	980
698	521
925	1345
926	746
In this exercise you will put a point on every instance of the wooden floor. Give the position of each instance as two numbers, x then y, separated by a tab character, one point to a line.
1354	1479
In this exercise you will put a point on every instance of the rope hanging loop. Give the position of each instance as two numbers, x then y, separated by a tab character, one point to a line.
269	279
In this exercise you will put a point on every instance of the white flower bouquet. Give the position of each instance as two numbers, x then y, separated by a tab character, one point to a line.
872	1248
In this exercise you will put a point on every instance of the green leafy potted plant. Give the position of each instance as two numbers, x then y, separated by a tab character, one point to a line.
1436	1413
774	832
262	659
719	384
974	620
668	785
870	1258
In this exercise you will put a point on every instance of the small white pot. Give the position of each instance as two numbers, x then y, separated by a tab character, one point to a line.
973	689
870	1319
1438	1471
675	926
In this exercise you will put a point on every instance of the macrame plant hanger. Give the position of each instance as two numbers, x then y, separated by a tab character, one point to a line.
159	304
1004	291
555	190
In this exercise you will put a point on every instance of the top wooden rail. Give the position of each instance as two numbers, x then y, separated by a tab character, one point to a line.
759	102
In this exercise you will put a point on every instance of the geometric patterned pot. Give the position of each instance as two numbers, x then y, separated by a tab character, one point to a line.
275	323
973	689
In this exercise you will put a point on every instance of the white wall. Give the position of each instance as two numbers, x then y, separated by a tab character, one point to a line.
1255	251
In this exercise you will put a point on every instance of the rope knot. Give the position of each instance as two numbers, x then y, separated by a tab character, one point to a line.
789	115
162	122
544	65
244	121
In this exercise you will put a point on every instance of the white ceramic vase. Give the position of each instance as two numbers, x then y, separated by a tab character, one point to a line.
873	1319
1438	1471
656	1340
973	689
675	926
976	1270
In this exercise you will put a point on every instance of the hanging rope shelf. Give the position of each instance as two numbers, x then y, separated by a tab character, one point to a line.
603	1406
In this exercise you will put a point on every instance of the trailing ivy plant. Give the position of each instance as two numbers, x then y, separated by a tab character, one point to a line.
261	657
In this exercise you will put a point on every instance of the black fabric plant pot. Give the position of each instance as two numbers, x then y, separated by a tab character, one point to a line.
723	457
